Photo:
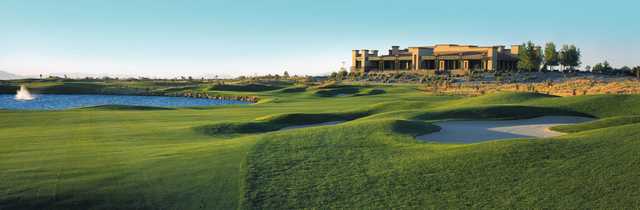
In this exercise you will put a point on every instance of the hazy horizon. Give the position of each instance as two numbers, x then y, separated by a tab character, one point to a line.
231	38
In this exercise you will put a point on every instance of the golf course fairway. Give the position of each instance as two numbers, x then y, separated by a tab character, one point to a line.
242	157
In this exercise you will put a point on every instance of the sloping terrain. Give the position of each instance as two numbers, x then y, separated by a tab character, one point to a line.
134	158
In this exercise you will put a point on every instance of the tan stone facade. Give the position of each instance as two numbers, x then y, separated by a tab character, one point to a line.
439	59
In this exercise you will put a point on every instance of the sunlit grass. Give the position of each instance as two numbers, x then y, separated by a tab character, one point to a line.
131	157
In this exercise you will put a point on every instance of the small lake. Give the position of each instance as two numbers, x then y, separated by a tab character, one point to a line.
59	102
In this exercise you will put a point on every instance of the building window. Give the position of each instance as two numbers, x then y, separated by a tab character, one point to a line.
428	64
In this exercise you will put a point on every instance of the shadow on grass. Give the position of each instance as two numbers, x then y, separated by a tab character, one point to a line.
500	112
124	108
274	123
413	127
371	92
294	90
337	92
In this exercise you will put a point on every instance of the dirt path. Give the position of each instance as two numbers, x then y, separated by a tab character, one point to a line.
485	130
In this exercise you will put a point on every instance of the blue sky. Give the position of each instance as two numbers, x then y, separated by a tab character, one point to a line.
225	37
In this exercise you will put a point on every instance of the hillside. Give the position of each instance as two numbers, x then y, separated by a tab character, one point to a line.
9	76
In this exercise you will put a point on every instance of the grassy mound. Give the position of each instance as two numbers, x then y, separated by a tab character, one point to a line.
424	103
72	88
302	118
337	91
368	165
596	105
333	85
508	98
598	124
227	128
294	90
371	92
273	123
497	112
244	87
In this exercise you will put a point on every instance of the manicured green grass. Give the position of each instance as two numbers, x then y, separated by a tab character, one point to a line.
360	165
227	157
124	107
598	124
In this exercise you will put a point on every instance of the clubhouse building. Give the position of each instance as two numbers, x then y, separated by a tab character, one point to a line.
439	59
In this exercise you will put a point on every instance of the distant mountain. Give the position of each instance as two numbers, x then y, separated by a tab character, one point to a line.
9	76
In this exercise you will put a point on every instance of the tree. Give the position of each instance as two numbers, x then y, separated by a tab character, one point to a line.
569	56
625	70
334	75
637	71
529	57
603	67
285	74
342	74
550	55
588	68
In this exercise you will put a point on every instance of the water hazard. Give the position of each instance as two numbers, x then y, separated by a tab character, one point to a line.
58	102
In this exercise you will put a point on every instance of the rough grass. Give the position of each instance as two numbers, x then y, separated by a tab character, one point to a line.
123	158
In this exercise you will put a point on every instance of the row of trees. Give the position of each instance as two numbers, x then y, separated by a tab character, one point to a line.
606	68
532	57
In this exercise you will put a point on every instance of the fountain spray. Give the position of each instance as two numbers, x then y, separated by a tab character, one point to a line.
23	94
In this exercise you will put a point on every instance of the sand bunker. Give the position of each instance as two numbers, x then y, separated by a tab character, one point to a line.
312	125
485	130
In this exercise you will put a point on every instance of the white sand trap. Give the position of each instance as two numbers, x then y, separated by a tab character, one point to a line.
485	130
312	125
